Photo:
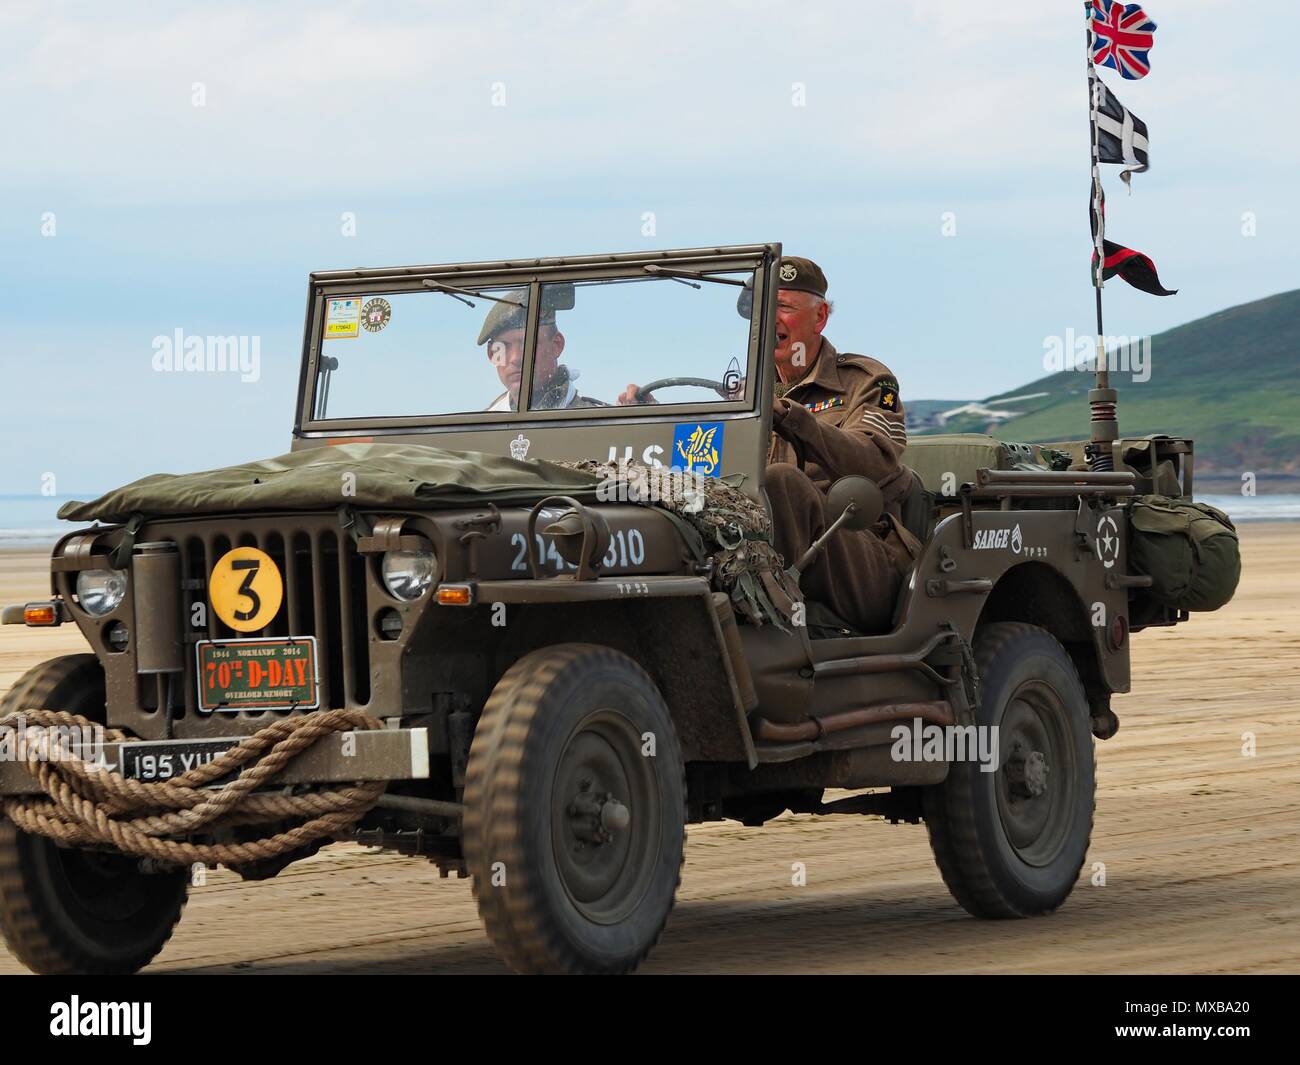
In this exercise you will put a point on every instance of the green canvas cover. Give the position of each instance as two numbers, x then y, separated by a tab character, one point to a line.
961	454
1189	550
1135	457
386	475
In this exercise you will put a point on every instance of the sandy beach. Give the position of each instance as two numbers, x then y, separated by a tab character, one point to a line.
1194	865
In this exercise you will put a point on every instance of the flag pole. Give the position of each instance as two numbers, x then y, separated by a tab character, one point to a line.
1102	399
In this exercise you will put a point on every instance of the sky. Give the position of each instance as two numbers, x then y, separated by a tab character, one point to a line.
184	166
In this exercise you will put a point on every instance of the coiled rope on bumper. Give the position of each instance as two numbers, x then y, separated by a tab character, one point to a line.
87	803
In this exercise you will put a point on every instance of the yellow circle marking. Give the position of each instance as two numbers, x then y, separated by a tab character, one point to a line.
246	589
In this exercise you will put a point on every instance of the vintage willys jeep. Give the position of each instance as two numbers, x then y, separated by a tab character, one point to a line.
565	673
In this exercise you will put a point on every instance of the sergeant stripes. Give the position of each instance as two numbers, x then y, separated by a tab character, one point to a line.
879	423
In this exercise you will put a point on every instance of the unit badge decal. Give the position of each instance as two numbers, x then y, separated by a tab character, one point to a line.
697	448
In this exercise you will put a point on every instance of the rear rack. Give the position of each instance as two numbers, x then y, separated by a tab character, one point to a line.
1006	485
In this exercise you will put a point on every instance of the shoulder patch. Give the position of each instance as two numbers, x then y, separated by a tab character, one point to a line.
889	393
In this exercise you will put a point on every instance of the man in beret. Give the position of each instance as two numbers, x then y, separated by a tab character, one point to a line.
835	414
503	333
840	414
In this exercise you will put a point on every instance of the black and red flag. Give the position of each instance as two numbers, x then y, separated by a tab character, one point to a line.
1134	267
1129	265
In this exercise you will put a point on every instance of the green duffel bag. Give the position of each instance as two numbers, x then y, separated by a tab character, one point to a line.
1189	550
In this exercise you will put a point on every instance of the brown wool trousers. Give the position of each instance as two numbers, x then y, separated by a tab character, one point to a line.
854	576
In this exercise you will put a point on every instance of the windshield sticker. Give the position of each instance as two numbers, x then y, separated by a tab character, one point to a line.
732	381
342	317
697	448
376	314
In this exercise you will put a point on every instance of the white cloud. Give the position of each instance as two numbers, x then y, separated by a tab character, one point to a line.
305	100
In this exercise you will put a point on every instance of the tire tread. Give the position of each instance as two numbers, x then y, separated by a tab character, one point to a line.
950	807
516	920
32	931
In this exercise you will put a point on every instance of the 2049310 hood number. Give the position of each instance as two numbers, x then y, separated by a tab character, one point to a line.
626	548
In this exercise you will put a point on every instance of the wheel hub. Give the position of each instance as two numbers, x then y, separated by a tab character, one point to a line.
1027	772
595	817
1034	796
604	819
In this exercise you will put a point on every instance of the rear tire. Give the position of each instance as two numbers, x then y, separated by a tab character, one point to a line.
67	911
1011	843
573	831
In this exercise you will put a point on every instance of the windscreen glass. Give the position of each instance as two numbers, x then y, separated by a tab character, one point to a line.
600	343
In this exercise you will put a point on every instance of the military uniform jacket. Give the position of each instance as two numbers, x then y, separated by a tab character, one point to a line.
847	416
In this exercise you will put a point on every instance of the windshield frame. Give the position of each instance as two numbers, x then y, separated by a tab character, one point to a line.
759	259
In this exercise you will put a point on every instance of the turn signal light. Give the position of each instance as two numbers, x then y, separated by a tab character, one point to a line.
40	614
455	595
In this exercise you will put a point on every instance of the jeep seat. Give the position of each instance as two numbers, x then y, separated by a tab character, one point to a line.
917	508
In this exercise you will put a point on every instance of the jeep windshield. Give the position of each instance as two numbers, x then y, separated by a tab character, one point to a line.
444	346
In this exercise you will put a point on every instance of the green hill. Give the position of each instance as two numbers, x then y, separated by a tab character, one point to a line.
1231	381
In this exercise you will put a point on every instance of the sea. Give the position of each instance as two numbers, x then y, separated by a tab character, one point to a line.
29	520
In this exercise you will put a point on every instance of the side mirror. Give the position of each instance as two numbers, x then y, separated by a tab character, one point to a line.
852	503
861	495
745	300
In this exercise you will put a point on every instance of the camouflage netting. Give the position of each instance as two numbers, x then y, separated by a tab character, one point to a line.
715	518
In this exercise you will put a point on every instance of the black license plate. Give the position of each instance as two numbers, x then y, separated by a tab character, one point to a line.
152	761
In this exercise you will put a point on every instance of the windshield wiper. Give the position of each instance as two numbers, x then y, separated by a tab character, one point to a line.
677	274
460	293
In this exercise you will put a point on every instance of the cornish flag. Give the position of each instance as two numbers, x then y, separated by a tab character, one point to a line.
1121	135
1122	36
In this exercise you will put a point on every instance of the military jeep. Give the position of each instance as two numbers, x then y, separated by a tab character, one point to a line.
568	672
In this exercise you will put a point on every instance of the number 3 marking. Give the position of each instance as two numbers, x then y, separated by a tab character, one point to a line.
246	586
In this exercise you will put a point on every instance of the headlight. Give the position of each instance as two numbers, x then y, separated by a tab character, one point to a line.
408	574
99	591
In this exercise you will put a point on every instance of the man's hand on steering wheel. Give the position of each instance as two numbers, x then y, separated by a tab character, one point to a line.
632	396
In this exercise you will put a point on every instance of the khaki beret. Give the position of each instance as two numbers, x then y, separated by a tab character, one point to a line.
510	312
803	275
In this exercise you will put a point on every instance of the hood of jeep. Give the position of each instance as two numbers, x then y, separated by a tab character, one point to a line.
359	475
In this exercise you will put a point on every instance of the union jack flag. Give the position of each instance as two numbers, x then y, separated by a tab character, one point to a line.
1122	35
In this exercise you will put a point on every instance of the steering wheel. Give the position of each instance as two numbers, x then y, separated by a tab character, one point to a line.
694	382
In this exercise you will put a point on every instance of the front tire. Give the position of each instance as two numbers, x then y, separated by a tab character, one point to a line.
65	910
575	812
1010	843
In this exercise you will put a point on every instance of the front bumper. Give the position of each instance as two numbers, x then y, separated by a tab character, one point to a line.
342	757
